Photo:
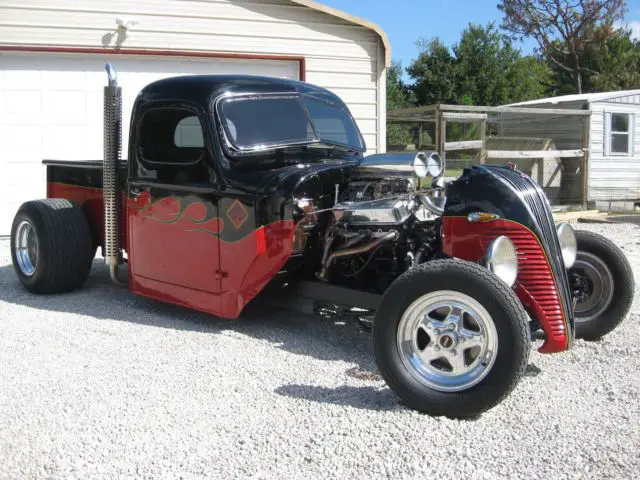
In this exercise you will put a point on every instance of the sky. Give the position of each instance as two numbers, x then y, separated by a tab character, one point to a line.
407	21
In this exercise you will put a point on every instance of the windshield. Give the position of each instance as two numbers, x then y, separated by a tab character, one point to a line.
259	123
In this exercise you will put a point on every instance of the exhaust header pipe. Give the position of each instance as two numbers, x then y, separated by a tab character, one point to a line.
110	182
390	236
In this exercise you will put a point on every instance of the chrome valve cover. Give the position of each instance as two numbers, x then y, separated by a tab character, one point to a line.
373	213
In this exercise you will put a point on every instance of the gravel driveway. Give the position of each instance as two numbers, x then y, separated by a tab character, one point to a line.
101	384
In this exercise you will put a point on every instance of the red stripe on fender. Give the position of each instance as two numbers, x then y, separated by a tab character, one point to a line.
261	241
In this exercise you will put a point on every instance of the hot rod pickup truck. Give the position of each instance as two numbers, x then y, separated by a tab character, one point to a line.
238	188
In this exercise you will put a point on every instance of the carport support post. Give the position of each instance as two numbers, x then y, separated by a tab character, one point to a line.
483	138
586	143
441	133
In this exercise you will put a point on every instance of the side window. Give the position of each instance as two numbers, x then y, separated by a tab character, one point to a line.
170	136
619	127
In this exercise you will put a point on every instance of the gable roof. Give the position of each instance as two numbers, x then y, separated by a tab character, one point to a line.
584	97
352	19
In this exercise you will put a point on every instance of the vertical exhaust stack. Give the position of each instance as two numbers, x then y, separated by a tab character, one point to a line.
110	182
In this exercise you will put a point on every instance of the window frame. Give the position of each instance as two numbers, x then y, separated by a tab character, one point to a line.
630	133
192	113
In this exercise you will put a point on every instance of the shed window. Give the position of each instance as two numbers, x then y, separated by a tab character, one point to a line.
620	133
171	136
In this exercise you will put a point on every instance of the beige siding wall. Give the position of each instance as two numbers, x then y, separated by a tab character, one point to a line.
613	176
340	56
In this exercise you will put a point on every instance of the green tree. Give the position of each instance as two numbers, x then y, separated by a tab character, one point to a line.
480	62
608	65
564	29
527	78
433	73
617	63
482	69
398	96
491	72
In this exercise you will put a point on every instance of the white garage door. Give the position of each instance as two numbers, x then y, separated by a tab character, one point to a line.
51	108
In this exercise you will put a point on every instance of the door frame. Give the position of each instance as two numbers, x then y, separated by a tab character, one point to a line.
302	69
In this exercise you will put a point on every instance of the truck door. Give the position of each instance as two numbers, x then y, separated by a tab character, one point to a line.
172	210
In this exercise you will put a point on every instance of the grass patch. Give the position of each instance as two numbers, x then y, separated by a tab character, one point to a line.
453	172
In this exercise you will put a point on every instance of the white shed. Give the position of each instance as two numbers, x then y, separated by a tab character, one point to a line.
614	138
53	52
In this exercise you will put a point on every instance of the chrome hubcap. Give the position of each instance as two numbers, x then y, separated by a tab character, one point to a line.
26	248
600	281
447	341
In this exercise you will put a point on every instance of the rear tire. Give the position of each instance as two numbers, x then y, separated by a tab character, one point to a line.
485	318
51	246
611	285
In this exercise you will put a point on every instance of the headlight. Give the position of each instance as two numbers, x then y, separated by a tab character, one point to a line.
568	244
501	258
420	165
434	165
430	164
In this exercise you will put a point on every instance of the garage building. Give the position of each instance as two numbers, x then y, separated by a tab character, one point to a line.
53	52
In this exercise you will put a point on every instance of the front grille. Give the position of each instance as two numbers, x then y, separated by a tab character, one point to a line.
534	275
538	205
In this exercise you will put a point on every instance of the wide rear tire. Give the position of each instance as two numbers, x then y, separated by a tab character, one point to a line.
609	282
51	246
459	359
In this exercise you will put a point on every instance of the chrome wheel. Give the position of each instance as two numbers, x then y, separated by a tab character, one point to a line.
447	341
599	285
26	248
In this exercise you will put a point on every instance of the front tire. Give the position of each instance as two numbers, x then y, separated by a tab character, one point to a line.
603	273
451	338
51	246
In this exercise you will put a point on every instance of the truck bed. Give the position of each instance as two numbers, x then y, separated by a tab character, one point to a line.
86	173
81	182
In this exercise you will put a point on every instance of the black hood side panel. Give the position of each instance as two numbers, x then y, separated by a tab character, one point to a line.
477	190
273	191
284	181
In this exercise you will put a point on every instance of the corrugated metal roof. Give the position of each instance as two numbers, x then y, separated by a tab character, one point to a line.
621	96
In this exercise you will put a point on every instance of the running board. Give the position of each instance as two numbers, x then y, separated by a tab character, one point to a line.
302	297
